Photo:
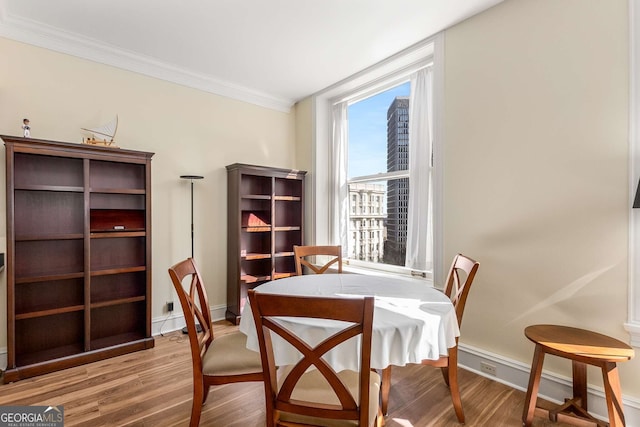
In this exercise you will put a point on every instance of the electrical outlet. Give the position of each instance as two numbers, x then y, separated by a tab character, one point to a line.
170	306
488	368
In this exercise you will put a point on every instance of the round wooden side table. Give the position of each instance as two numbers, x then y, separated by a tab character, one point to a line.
583	348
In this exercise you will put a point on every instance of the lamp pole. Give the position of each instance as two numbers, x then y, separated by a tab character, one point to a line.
191	178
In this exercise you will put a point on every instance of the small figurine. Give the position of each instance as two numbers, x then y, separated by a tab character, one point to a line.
26	129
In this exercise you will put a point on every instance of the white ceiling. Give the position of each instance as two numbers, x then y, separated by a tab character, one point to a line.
269	52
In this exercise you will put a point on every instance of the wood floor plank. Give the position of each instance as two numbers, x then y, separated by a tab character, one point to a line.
153	388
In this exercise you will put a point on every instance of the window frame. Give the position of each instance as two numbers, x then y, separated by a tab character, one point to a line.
375	79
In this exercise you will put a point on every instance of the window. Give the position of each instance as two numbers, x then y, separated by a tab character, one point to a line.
376	147
385	151
386	204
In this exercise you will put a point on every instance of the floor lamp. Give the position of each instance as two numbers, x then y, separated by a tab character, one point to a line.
191	178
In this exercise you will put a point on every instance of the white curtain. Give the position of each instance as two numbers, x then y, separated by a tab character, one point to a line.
340	198
420	217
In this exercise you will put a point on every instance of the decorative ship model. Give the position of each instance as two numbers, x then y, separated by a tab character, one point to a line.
103	135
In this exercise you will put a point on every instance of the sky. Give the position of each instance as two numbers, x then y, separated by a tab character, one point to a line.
368	132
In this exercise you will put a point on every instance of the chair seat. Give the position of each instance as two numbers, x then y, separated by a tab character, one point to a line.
312	387
228	355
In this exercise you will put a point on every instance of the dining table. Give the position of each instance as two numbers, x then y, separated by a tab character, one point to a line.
412	320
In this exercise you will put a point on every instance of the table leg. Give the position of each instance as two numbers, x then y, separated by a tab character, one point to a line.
579	370
578	403
534	384
385	387
613	394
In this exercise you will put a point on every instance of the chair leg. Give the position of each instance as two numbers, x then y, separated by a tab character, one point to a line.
206	394
270	416
385	388
196	410
198	399
445	374
380	418
453	384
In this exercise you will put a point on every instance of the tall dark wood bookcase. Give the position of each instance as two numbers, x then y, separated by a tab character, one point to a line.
78	254
265	213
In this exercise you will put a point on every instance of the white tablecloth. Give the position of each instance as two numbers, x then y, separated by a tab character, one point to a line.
412	321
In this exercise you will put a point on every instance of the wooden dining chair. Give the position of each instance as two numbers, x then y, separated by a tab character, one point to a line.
301	252
461	274
222	360
296	395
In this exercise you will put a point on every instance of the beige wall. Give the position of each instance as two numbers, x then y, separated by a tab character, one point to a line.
304	160
190	131
536	171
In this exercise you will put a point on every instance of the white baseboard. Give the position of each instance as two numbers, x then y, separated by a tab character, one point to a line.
553	387
174	321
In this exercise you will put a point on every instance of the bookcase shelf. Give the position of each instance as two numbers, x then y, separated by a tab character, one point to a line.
42	313
265	219
78	254
48	278
26	237
53	188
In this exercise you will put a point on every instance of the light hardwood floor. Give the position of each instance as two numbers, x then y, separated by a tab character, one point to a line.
152	388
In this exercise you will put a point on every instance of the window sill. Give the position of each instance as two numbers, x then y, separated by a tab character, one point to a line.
357	269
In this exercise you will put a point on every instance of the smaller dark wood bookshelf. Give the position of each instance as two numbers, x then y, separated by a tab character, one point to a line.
265	211
78	254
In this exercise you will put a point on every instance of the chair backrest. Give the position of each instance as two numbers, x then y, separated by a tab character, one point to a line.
195	307
358	312
301	252
463	271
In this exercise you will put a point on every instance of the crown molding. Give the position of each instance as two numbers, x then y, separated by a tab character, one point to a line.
41	35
